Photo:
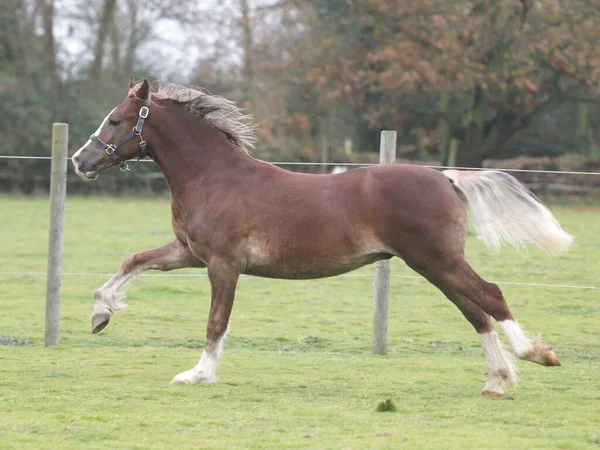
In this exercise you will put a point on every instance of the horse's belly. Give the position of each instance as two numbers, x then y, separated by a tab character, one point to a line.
314	268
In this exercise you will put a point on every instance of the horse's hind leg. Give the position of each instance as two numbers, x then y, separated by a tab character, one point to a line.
528	349
499	362
458	280
488	297
108	299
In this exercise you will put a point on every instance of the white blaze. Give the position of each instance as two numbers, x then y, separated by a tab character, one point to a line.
96	133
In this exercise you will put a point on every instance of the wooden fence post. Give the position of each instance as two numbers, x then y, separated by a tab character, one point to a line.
58	191
387	155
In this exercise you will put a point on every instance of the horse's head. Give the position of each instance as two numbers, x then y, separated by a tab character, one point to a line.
119	137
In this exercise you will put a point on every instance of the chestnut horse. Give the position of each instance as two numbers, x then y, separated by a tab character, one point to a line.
237	215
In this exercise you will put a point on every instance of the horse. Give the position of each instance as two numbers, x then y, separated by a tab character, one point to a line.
235	214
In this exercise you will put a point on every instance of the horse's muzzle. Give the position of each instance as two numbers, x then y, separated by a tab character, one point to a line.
86	175
86	168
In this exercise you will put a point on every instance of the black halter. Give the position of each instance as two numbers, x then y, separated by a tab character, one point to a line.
111	149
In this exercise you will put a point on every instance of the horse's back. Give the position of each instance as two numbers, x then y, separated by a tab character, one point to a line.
329	224
414	190
416	208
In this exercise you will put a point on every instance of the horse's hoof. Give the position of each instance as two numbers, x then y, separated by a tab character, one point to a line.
548	357
492	394
496	396
193	377
542	355
99	322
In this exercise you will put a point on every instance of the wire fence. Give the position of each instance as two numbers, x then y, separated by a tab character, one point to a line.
346	275
24	157
343	164
350	164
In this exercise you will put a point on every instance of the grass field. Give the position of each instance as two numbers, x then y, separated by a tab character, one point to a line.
297	371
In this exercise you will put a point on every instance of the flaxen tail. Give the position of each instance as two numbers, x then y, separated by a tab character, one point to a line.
505	211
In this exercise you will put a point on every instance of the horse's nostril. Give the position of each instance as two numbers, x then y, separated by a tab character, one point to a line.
76	161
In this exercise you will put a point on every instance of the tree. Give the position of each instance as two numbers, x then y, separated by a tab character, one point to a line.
503	65
106	24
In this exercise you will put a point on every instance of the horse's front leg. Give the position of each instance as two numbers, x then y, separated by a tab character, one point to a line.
108	299
223	277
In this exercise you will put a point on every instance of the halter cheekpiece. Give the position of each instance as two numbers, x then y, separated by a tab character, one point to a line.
111	149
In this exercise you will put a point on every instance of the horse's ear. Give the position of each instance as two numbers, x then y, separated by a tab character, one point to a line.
131	82
143	91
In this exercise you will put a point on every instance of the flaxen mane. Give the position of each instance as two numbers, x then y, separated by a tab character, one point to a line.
223	114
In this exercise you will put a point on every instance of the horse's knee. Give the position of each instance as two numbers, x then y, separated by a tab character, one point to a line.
492	301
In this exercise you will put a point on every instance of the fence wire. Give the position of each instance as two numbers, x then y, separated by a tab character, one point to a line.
347	275
24	157
348	164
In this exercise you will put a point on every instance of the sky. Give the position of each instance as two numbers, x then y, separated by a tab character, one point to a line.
171	49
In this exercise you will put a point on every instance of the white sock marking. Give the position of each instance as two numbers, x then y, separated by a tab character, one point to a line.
499	362
517	338
206	369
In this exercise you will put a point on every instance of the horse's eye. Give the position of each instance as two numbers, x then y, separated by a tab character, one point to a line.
114	123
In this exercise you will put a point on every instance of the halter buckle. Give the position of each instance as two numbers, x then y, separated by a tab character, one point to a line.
144	112
110	149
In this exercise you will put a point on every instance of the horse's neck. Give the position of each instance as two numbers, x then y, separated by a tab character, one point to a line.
189	150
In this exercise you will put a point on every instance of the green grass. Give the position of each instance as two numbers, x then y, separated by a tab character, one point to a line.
297	371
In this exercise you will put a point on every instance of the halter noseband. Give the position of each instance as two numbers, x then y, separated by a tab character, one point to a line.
111	149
